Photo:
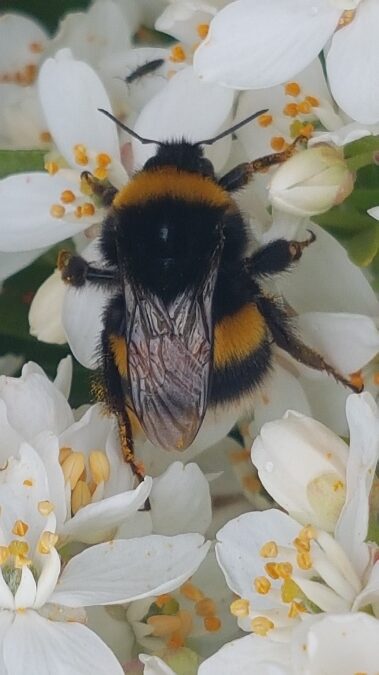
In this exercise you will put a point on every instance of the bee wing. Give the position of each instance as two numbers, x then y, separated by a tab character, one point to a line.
169	360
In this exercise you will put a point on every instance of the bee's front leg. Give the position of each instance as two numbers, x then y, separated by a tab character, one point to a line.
76	271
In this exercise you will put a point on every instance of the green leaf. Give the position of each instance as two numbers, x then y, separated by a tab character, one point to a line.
363	247
48	13
344	220
20	161
361	146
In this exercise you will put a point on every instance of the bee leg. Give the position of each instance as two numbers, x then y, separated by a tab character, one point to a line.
241	175
103	190
277	256
279	322
76	271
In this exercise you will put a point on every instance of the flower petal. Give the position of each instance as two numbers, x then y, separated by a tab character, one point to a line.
45	314
287	36
22	43
34	644
249	655
62	81
26	591
10	264
48	577
155	565
355	50
154	665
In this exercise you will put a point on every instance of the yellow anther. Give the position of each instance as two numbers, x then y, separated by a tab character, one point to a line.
28	482
240	607
101	173
308	532
176	640
191	592
164	625
20	548
81	496
262	585
277	143
36	47
304	107
269	550
307	130
284	570
20	528
202	30
45	507
375	379
290	590
103	159
264	120
73	467
338	485
21	561
88	209
78	212
205	607
314	102
304	561
80	154
63	454
302	545
292	89
295	609
212	624
177	54
261	625
67	197
239	456
99	466
51	168
291	109
357	380
4	554
186	621
272	570
346	17
163	599
45	137
57	210
47	542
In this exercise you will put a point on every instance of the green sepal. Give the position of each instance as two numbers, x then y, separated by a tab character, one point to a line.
21	161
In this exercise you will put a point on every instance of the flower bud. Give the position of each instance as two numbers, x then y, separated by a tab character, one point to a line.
302	464
311	182
45	315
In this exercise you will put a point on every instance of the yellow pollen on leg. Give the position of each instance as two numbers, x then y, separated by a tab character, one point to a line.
191	592
101	173
205	607
212	624
261	625
81	496
269	550
80	154
177	54
20	528
47	542
240	607
72	467
67	197
202	30
99	466
262	585
88	209
264	120
57	210
292	89
290	110
45	507
278	143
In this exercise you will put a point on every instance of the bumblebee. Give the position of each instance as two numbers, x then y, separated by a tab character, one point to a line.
189	326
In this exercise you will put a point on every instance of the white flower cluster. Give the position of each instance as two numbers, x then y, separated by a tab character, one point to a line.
89	576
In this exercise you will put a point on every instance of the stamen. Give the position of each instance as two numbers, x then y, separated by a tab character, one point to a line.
304	107
45	137
67	197
284	570
277	143
80	154
63	454
99	466
51	168
191	592
177	54
261	625
240	607
239	456
264	120
304	561
346	17
20	528
272	570
292	89
291	109
78	212
28	482
45	507
205	607
101	173
202	30
357	380
72	467
47	542
163	625
103	159
295	609
269	550
212	624
88	209
290	591
314	102
186	621
302	545
18	548
308	532
57	210
162	600
4	554
81	496
262	585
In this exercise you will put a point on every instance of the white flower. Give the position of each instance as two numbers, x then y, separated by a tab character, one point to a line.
45	314
43	606
258	45
10	363
304	466
23	42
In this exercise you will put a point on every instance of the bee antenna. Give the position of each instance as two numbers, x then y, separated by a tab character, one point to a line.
231	130
130	131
